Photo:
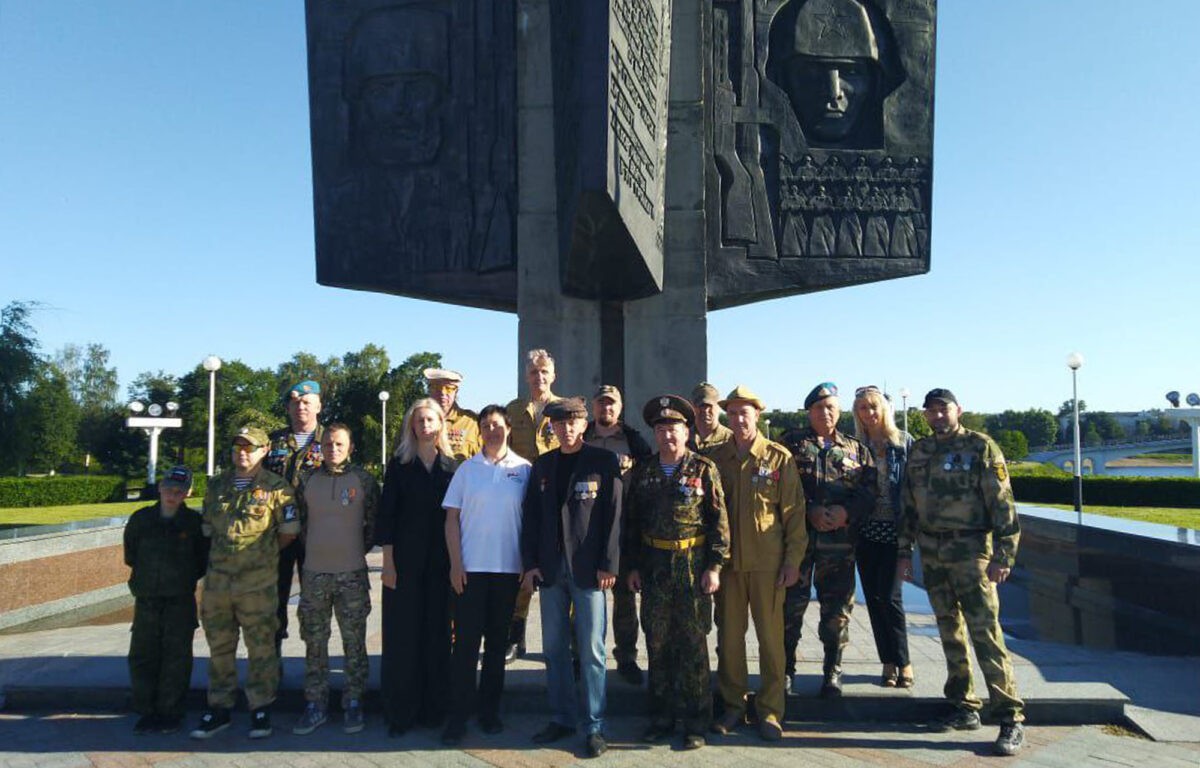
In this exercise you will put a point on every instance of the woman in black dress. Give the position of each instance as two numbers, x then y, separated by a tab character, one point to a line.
416	567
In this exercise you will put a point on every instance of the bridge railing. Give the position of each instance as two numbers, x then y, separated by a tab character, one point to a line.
1147	439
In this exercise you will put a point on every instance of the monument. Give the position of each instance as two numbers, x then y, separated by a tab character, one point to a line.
612	170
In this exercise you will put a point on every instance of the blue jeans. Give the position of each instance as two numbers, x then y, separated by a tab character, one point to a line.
591	627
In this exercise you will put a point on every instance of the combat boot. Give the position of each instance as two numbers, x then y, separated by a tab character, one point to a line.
831	687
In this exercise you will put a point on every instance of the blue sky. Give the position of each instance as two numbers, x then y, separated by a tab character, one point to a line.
155	194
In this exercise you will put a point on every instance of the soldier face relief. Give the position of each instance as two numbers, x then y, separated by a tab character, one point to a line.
829	95
399	119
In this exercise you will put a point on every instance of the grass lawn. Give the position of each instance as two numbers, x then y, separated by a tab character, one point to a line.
1172	516
19	516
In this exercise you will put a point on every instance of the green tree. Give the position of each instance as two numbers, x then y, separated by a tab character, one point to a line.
974	421
1013	443
918	426
19	362
95	389
46	423
1039	425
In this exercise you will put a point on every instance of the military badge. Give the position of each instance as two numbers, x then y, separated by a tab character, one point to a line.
289	513
1001	471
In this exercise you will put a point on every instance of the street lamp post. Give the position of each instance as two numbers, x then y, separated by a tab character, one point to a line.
153	423
904	404
383	400
212	364
1075	362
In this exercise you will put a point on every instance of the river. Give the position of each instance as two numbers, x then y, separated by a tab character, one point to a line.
1181	470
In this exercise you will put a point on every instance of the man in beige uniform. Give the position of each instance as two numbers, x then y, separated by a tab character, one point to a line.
462	425
768	539
530	437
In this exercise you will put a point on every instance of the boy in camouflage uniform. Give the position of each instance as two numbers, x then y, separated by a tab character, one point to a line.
249	513
168	553
338	503
676	538
958	505
838	475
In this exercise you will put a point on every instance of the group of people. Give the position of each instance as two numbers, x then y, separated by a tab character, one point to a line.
477	512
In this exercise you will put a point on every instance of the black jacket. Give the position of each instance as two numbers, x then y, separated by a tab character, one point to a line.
589	522
411	517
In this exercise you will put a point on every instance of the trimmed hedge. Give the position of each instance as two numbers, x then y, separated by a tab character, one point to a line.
60	490
1181	492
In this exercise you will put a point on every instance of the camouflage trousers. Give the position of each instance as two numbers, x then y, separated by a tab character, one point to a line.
223	612
160	654
964	601
828	565
677	617
624	622
348	596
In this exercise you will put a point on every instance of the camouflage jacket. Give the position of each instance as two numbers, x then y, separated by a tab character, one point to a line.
688	504
289	462
843	473
715	438
959	484
168	555
244	527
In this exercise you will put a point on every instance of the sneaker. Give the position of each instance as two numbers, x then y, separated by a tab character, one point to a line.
353	720
595	745
1011	739
958	720
170	724
313	718
212	722
260	724
146	724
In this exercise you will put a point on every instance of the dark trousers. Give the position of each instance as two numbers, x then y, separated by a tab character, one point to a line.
160	654
885	605
483	611
291	560
415	662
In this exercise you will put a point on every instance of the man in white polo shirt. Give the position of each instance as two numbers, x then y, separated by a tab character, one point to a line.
483	538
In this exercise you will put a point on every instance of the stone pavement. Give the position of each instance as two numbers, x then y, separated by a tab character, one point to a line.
64	740
82	670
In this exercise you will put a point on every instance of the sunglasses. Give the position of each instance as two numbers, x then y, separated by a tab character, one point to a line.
865	390
244	448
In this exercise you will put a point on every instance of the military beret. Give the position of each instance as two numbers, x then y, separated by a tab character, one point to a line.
668	408
253	435
308	387
742	393
820	392
177	476
440	374
609	391
705	393
945	395
566	408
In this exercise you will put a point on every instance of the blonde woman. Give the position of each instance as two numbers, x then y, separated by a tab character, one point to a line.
876	549
416	569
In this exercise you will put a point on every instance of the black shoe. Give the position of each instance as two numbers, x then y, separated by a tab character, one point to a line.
958	720
659	730
260	724
552	732
212	722
831	688
630	672
146	724
454	732
170	724
1011	739
595	745
490	724
693	741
